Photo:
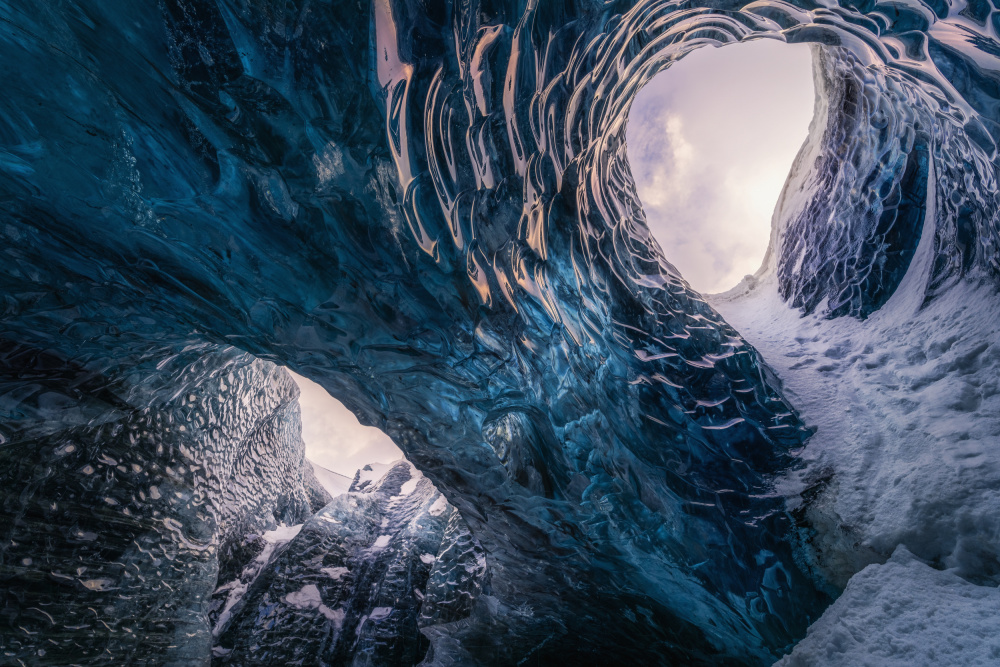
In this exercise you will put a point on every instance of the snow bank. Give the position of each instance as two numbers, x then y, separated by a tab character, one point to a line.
904	614
906	407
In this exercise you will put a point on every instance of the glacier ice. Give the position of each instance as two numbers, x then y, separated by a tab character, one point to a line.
358	582
427	208
115	530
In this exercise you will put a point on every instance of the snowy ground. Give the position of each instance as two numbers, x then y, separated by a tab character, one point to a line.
906	407
904	614
907	410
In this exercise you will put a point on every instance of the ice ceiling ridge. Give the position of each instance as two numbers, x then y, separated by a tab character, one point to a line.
427	208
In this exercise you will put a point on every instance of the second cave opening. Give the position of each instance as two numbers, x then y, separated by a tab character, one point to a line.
710	142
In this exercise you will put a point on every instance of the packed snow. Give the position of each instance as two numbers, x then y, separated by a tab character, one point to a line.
307	597
410	486
906	411
904	614
439	506
906	407
282	533
334	572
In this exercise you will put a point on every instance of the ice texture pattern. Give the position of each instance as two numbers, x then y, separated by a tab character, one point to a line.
114	531
359	582
427	209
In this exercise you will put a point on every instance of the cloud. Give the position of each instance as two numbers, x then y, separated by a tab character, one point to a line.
334	438
710	143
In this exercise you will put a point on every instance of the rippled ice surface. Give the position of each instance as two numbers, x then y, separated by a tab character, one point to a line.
428	210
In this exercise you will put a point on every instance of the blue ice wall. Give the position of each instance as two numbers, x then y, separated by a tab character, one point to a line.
426	207
114	529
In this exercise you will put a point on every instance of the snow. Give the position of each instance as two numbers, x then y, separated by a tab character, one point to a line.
409	487
904	614
427	559
334	572
282	533
382	542
334	483
439	506
307	597
335	615
907	410
373	472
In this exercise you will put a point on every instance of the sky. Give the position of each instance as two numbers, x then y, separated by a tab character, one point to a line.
710	143
334	438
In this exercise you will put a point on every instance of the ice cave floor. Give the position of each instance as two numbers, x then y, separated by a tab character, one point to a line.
902	477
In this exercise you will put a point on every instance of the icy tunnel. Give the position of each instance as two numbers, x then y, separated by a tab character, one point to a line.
427	208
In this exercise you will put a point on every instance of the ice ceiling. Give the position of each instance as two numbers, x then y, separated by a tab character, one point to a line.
427	209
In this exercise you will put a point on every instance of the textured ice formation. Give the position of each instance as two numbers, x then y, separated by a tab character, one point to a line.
359	583
114	531
426	208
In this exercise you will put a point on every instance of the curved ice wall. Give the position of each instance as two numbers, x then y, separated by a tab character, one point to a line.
426	207
116	523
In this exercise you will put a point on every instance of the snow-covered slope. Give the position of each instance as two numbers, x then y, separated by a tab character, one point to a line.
904	614
906	407
334	483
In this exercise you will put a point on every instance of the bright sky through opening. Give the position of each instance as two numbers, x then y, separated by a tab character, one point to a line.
710	144
334	438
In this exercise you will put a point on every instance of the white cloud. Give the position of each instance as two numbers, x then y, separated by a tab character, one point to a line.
710	143
334	438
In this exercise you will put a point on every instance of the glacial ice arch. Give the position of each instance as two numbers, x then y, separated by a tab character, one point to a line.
441	229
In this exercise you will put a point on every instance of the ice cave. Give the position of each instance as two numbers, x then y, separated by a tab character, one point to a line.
427	208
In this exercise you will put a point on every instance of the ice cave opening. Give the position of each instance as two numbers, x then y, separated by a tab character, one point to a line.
710	143
336	443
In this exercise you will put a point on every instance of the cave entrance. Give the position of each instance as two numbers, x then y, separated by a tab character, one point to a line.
710	144
337	444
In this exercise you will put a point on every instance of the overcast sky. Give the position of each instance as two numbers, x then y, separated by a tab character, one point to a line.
334	438
710	143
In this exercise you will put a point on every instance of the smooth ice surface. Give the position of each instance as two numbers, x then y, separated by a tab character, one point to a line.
710	144
334	438
904	614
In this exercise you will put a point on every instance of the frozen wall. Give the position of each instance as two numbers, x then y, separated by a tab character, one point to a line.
115	529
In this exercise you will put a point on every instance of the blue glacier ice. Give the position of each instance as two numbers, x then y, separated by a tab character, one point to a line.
427	209
358	583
